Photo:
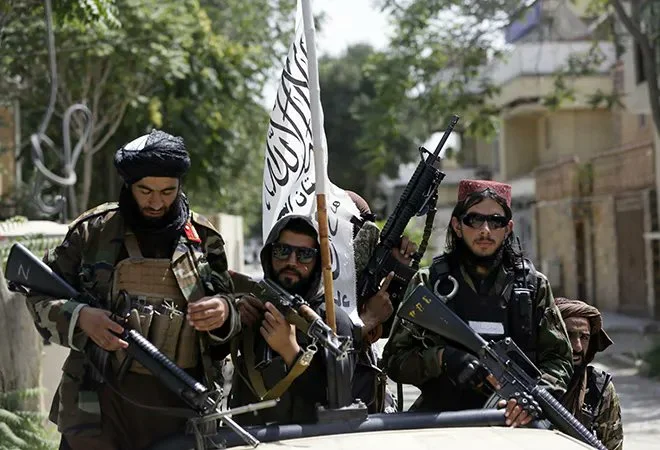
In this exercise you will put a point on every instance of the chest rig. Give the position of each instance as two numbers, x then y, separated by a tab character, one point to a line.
509	313
149	290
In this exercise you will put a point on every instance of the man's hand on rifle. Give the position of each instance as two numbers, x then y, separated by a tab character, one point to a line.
405	252
378	308
96	324
250	309
208	313
515	415
279	334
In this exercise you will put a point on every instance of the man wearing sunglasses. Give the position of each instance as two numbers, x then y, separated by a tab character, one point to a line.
500	294
275	361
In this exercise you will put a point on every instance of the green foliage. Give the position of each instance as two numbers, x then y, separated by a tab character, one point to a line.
23	429
195	68
580	64
415	234
437	54
375	140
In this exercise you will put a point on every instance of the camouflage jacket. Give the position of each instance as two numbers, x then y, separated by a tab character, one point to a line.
608	425
599	410
364	244
85	259
411	356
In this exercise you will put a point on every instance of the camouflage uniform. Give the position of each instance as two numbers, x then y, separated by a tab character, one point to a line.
85	259
364	244
369	380
591	396
607	424
411	355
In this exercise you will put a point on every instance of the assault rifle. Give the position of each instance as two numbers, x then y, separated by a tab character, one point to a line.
516	375
418	198
25	273
298	312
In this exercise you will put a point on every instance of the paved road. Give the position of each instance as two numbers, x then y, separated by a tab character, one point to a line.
640	403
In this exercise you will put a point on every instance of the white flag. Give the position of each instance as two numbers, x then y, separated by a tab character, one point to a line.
290	177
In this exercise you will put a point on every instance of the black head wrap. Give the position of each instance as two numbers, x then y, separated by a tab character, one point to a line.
157	154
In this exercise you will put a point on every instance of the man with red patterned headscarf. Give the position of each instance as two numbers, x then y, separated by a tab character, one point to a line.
591	396
499	295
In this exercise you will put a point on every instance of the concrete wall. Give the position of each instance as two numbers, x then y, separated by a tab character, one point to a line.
557	246
579	133
605	290
231	229
519	146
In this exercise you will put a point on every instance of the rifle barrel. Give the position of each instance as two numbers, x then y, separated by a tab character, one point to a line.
445	136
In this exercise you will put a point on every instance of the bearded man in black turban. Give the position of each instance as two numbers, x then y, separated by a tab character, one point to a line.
150	259
151	200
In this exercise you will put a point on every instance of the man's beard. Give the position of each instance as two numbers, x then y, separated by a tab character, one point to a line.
299	287
488	261
583	361
172	221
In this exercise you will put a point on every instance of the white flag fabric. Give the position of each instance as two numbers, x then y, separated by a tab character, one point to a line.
290	173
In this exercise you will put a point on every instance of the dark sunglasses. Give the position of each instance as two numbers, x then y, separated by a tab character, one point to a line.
304	255
476	220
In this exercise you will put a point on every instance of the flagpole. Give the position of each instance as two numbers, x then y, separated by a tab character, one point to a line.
319	161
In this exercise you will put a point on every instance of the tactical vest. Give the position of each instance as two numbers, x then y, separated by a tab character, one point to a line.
148	289
597	381
156	288
511	313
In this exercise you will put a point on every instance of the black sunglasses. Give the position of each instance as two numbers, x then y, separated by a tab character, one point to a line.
476	220
304	255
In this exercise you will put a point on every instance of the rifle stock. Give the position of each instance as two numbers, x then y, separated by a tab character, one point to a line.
503	359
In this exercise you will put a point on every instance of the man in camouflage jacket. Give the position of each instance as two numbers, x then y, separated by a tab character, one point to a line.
481	257
153	213
591	396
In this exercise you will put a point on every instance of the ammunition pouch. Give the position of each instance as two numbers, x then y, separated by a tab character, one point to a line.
147	290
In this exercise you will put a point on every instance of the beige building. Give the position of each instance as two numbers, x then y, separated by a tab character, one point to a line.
646	138
583	178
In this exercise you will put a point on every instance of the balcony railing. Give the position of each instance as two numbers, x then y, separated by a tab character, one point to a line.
546	58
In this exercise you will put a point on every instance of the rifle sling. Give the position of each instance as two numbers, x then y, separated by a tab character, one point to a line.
428	229
256	379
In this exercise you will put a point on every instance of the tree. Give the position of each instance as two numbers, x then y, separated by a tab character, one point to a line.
439	50
196	68
642	21
445	44
20	354
373	134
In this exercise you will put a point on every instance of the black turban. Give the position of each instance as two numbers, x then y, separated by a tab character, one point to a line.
157	154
